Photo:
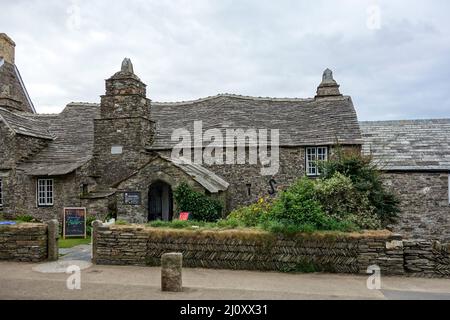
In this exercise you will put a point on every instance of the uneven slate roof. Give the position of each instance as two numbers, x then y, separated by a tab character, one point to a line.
408	144
208	179
74	142
301	122
21	123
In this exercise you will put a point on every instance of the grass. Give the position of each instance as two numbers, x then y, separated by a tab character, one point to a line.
72	242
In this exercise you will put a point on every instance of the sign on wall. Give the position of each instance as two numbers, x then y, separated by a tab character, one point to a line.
132	198
74	222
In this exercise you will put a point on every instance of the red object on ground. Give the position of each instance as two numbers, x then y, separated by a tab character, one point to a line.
184	216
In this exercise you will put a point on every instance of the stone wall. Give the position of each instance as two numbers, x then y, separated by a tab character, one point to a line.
425	258
26	242
250	250
425	208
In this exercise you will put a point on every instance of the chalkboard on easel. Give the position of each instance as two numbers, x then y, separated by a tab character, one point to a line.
74	222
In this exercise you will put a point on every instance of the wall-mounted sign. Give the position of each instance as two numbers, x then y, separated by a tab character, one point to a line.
132	198
74	222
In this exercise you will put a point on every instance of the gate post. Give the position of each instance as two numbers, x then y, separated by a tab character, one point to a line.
52	240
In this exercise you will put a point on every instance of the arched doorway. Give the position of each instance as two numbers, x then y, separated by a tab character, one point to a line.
160	202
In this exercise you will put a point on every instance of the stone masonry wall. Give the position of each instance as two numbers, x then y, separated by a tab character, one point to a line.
250	250
425	208
24	242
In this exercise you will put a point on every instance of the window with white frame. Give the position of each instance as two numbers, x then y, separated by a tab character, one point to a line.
1	192
45	192
314	155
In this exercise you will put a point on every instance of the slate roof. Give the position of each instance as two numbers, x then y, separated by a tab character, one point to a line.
408	144
74	142
302	122
22	123
208	179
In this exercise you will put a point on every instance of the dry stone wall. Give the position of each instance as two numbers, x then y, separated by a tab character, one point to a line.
250	250
24	242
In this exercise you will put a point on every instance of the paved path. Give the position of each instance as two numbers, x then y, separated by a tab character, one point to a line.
82	252
19	281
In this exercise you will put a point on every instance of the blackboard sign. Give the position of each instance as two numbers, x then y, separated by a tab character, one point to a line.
74	222
132	198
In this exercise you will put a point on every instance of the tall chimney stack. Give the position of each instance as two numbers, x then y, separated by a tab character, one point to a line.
7	48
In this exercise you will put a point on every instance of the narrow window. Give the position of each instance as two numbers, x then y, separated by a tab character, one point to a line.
45	192
314	155
1	193
84	189
249	189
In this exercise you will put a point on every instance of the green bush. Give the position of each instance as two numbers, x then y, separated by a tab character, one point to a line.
89	221
252	215
202	207
25	218
299	206
366	180
344	203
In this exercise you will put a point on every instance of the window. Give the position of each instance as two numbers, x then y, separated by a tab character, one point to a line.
1	193
313	156
116	150
45	192
249	189
84	189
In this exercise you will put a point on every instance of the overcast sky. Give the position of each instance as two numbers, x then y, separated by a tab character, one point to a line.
394	67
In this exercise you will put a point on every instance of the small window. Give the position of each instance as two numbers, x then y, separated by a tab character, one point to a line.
116	150
45	192
249	189
84	189
313	156
1	193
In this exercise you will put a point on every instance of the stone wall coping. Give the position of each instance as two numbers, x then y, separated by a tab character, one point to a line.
367	234
22	225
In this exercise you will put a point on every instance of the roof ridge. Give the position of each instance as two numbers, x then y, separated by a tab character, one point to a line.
230	95
21	114
81	103
405	120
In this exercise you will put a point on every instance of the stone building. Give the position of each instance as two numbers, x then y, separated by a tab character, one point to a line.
118	156
415	158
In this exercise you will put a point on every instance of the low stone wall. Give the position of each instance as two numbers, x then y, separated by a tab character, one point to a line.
425	258
29	242
250	250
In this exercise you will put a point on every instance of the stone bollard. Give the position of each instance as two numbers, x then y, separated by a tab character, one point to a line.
95	225
52	240
171	268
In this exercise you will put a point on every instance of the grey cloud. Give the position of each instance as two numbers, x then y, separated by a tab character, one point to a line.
190	49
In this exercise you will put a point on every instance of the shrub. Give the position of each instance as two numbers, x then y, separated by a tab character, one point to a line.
25	218
298	206
202	207
89	221
252	215
366	180
344	203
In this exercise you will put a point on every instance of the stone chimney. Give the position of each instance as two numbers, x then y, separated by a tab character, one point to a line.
328	87
7	48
